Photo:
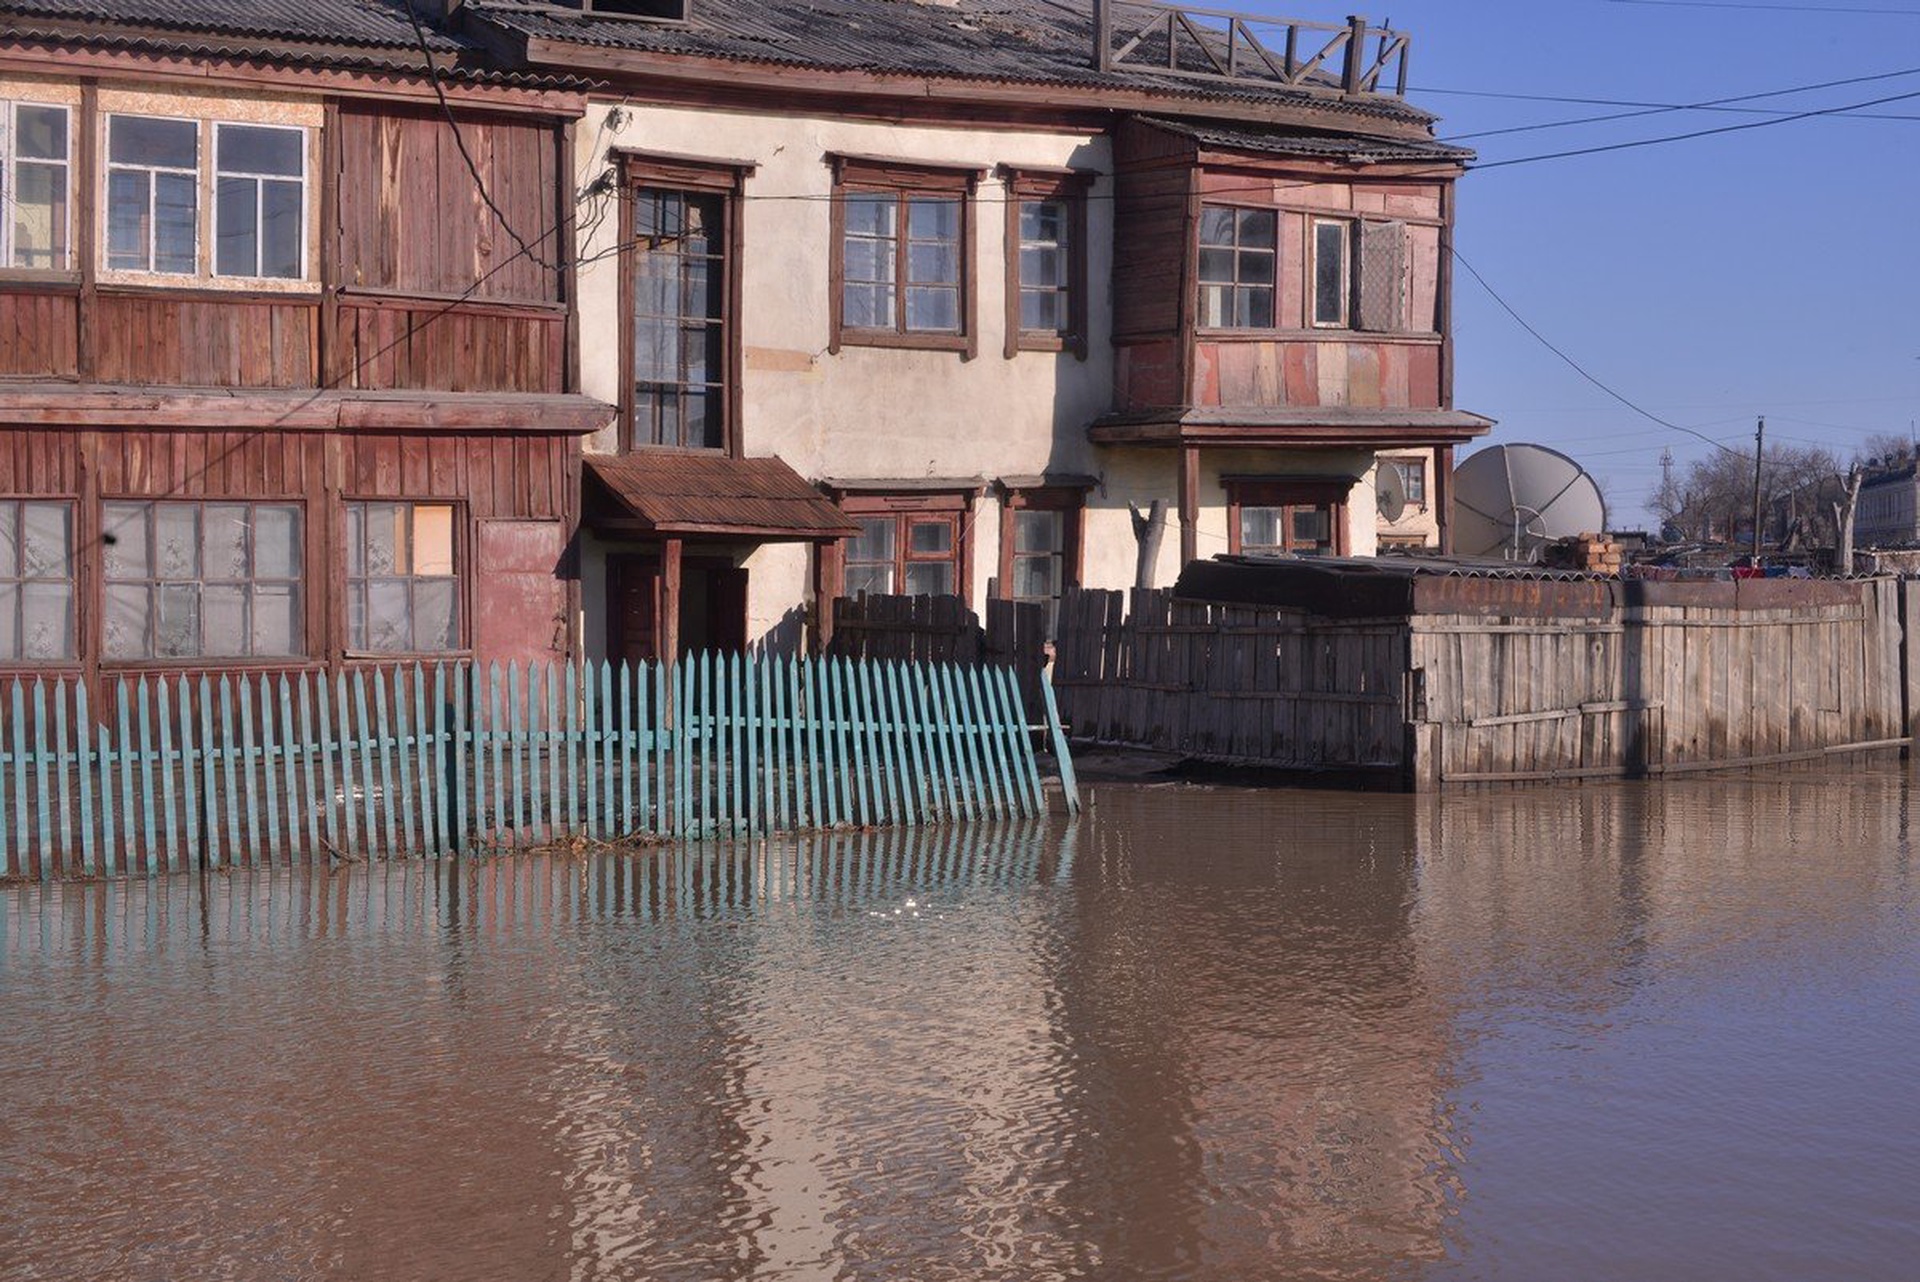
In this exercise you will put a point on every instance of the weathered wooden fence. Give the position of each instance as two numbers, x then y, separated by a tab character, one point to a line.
1469	680
943	629
248	769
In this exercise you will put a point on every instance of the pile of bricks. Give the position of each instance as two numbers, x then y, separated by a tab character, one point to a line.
1594	553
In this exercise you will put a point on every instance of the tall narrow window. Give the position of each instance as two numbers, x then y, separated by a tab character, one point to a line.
153	194
35	179
259	199
680	338
36	581
1332	273
902	253
1237	267
1040	537
191	580
1046	260
403	585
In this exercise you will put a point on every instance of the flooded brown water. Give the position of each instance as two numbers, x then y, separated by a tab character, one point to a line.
1623	1032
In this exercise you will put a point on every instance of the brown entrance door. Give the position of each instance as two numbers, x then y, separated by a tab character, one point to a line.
727	609
633	609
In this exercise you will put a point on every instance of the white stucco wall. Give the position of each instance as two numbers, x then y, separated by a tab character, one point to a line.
885	413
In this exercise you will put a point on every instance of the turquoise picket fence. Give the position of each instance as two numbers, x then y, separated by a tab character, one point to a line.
176	772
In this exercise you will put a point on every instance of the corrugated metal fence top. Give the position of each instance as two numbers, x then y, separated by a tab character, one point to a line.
179	773
1388	587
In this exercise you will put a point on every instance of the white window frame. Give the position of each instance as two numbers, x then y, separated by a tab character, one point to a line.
9	182
1345	225
212	183
106	190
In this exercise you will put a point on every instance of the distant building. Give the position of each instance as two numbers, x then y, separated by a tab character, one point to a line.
1418	525
1888	514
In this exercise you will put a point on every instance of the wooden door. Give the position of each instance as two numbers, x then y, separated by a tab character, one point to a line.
633	609
727	609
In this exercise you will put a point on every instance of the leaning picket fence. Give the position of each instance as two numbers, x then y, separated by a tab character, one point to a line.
180	772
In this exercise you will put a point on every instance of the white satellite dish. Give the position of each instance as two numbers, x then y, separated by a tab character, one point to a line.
1390	490
1509	500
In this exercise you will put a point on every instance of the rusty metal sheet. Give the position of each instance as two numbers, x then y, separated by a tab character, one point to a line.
1524	598
1787	594
671	493
520	599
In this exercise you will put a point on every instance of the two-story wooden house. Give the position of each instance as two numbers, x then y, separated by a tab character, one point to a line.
287	373
991	276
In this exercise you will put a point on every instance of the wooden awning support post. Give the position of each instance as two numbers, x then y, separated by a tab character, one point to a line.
669	622
1189	504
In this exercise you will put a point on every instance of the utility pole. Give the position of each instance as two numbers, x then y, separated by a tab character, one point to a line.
1759	451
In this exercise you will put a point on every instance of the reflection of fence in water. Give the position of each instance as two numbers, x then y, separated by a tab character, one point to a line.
280	906
244	769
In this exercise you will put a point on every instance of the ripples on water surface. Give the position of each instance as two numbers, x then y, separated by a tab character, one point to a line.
1620	1032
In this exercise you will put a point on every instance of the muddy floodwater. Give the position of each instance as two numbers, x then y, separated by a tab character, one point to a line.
1623	1032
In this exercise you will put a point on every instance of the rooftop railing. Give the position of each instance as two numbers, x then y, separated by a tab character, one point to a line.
1223	46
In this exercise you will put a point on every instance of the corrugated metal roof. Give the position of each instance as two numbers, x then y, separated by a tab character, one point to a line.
1022	41
671	492
374	23
1313	143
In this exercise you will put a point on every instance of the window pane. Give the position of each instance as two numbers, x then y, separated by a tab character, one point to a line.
700	290
874	542
280	247
142	140
1256	268
695	349
176	202
932	263
237	236
386	537
45	546
1258	228
178	634
223	609
1039	531
1329	273
1259	528
1216	305
276	619
1256	308
1216	265
9	541
876	578
125	526
1216	225
1043	220
39	133
128	610
700	421
258	149
9	616
1311	525
930	537
870	260
1042	311
127	220
387	624
46	621
929	578
224	542
356	539
1035	576
933	218
869	306
870	215
433	539
435	620
1042	266
933	308
276	542
176	542
40	216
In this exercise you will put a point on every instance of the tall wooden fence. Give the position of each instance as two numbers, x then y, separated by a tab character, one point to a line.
943	629
1488	680
250	769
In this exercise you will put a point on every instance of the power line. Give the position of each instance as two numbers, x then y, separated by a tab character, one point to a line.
1577	367
1710	104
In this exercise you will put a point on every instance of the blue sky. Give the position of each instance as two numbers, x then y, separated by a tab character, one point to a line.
1772	271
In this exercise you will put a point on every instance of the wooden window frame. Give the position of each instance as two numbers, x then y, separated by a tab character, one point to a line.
1069	187
212	184
10	176
726	179
76	614
1068	499
1285	492
304	634
1418	469
1200	285
903	179
107	167
955	506
463	575
1348	238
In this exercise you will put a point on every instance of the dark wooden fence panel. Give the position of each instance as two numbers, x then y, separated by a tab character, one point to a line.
942	629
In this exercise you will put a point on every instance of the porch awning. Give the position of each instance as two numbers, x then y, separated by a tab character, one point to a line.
1310	426
668	492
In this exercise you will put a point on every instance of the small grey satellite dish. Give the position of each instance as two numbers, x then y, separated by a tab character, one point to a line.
1390	490
1509	500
